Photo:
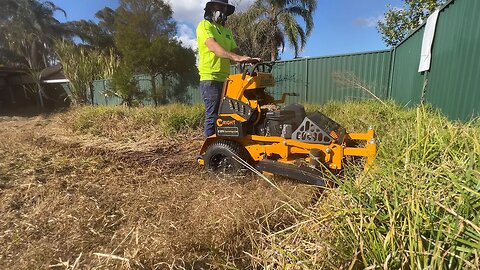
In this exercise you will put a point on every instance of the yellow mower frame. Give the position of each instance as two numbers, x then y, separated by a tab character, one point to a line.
241	108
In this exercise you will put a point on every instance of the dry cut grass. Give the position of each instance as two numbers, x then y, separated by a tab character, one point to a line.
76	199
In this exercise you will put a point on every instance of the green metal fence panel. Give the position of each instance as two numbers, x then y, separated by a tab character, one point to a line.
348	77
340	77
145	85
290	76
454	80
452	84
407	82
101	95
194	95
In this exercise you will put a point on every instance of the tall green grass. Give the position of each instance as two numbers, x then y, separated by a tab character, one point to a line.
416	208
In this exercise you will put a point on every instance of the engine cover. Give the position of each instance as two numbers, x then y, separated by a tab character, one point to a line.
275	121
318	128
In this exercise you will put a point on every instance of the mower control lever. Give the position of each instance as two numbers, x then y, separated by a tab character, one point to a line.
259	66
243	64
284	96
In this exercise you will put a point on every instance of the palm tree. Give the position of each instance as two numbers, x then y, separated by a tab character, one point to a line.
274	22
28	27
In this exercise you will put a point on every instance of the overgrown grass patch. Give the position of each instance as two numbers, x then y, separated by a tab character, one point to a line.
416	208
117	122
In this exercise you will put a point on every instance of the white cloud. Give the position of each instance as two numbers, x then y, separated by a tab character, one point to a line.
191	11
188	13
242	5
186	36
368	22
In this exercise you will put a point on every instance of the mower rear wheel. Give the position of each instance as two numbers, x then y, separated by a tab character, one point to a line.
222	156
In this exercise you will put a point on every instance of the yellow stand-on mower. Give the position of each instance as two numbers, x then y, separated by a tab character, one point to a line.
252	128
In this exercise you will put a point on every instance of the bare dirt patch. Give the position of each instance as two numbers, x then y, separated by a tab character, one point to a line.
71	200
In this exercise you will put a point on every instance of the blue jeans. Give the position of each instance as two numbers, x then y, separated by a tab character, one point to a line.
211	94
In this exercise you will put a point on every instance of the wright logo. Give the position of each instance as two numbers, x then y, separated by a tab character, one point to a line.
221	122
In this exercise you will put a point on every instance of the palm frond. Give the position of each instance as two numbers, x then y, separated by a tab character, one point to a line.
275	24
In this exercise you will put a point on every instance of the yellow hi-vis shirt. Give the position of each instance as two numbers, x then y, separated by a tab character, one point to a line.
211	67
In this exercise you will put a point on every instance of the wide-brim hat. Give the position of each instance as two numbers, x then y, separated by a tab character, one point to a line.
230	8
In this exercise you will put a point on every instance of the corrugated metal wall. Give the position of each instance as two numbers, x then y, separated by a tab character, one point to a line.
101	87
316	79
454	78
407	83
291	76
339	77
100	96
194	95
343	77
453	82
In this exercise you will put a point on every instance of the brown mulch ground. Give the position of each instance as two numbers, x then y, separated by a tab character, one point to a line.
76	201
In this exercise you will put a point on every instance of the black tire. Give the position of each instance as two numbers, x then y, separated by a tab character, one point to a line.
222	156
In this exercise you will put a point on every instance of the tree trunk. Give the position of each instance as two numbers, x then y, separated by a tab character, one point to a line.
273	55
273	46
33	52
90	85
154	89
164	88
40	95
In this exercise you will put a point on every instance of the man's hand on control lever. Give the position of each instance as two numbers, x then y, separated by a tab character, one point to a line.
255	60
247	59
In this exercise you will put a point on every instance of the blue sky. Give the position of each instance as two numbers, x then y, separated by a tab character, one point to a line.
341	26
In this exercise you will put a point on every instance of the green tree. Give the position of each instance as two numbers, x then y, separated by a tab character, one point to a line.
399	22
249	42
273	23
125	86
151	18
154	51
182	72
99	35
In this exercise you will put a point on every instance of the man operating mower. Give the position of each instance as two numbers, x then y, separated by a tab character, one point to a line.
215	49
